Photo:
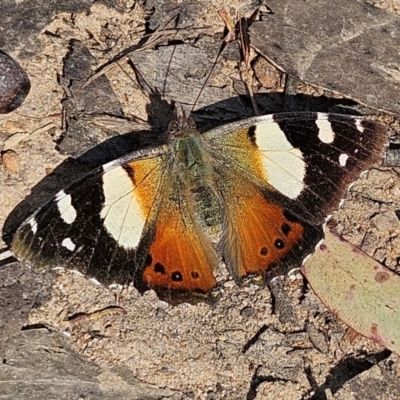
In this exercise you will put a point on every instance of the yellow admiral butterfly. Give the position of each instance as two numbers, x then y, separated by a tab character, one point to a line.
253	193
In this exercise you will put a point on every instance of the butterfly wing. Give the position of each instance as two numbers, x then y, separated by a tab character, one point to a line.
260	235
279	177
180	257
102	224
123	222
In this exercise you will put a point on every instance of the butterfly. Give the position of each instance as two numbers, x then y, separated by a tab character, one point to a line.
252	194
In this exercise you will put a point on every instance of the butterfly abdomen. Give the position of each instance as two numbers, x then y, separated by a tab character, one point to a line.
197	182
207	208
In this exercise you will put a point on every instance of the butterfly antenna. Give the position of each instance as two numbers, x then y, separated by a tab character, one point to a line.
245	55
168	69
206	80
140	78
230	28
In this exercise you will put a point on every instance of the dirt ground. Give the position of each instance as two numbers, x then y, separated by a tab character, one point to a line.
141	347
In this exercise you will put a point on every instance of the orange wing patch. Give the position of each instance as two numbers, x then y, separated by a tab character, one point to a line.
146	176
180	256
258	234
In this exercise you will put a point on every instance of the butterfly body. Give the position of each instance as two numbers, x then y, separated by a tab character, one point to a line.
253	194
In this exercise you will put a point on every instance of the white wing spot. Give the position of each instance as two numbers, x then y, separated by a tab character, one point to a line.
68	244
359	127
283	164
122	214
326	134
65	207
33	224
343	159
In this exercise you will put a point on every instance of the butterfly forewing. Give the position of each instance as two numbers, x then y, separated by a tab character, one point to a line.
100	225
307	159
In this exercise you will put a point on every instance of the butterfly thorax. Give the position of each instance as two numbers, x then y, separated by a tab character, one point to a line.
195	180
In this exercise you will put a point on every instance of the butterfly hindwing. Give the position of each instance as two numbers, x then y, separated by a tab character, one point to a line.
260	236
180	256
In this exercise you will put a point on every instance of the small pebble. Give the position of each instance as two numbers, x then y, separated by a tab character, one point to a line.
11	161
268	76
247	311
14	84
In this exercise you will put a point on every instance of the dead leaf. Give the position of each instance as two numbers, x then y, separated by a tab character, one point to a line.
361	292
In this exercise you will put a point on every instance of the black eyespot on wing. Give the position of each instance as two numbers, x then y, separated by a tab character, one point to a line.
285	229
176	276
159	268
195	275
279	244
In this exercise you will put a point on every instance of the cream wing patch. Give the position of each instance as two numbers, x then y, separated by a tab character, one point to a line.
68	244
33	224
325	134
283	164
122	213
343	159
65	207
359	126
